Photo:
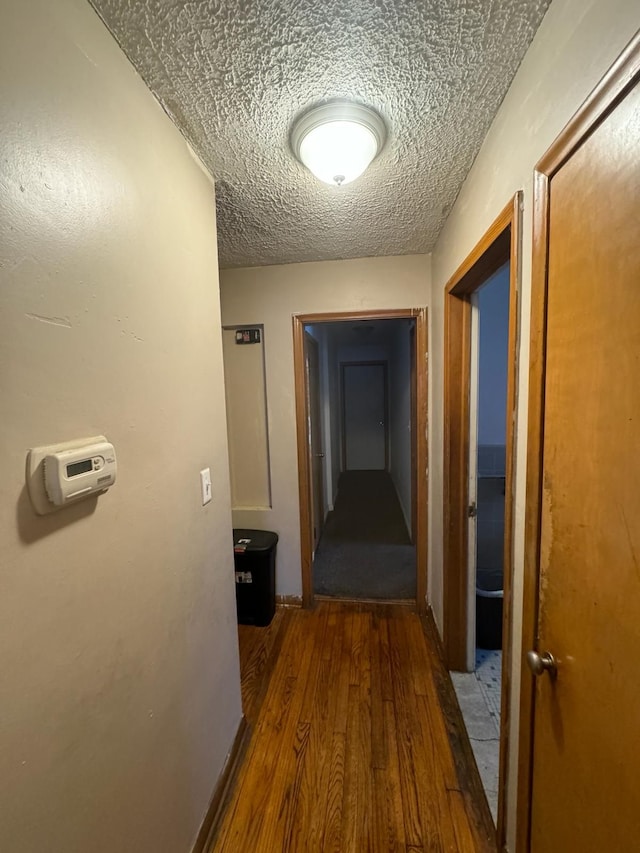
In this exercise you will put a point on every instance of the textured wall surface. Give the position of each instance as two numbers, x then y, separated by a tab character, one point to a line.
234	74
120	688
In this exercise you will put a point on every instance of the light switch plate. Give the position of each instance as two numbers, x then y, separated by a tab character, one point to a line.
205	482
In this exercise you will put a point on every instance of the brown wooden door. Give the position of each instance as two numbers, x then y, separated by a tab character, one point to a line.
314	410
586	736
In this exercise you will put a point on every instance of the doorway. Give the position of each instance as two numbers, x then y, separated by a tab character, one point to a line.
477	472
366	551
479	691
361	426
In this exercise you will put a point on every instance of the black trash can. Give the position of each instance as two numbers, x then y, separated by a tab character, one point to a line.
489	600
254	553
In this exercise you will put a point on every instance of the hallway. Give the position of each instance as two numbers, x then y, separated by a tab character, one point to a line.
351	749
365	550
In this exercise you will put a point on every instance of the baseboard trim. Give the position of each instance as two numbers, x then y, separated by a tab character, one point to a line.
222	792
289	600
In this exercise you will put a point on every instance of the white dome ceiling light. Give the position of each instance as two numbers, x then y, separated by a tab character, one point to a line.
337	141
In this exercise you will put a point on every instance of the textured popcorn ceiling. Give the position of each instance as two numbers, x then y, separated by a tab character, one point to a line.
234	74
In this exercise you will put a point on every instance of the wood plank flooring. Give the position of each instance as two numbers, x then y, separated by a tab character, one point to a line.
350	749
259	649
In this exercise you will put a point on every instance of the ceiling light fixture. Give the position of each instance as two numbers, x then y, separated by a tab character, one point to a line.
337	141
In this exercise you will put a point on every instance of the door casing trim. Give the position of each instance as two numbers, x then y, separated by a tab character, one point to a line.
304	469
623	75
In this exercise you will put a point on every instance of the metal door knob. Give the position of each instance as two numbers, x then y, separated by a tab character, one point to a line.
541	663
320	455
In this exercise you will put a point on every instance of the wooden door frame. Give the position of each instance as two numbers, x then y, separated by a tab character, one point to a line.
343	410
501	243
420	439
615	85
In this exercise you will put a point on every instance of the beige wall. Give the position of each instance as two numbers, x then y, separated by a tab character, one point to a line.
118	650
271	295
576	43
246	422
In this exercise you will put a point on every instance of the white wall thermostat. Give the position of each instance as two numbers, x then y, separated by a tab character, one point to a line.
62	474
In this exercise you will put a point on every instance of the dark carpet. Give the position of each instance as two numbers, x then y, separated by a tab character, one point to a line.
365	550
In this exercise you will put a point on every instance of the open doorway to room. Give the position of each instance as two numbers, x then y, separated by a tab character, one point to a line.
480	405
366	550
361	409
479	691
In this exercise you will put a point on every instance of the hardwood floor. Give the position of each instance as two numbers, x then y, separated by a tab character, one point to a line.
259	651
351	750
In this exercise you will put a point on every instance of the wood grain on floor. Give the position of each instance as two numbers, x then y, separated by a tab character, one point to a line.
350	748
259	649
